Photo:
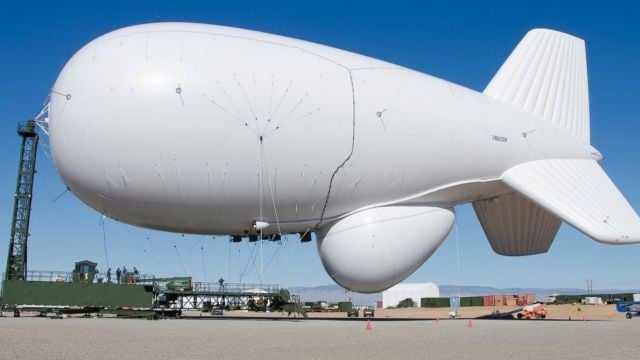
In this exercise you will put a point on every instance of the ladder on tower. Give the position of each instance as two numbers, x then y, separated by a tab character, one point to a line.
17	258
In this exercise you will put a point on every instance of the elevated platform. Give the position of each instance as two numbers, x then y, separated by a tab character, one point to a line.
59	291
208	296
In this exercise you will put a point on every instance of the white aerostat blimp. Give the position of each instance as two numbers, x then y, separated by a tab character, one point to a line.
214	130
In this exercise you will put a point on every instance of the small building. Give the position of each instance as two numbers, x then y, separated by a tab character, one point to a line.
84	271
591	300
416	291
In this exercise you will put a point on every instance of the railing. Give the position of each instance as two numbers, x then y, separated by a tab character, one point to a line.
49	276
64	276
67	276
236	287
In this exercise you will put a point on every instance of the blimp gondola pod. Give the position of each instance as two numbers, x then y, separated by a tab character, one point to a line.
206	129
376	248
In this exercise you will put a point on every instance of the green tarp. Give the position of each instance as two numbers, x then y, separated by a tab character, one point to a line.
76	294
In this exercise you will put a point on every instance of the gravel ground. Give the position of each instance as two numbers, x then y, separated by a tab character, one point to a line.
108	338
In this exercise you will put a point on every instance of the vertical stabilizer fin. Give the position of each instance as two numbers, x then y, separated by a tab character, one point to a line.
579	192
546	75
515	226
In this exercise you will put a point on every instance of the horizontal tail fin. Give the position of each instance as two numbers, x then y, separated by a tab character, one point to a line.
546	75
579	192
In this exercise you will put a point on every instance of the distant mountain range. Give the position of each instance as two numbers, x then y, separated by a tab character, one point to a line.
335	293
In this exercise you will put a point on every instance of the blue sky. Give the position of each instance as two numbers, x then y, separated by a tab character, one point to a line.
464	42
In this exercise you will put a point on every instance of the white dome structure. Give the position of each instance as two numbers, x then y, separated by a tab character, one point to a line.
395	294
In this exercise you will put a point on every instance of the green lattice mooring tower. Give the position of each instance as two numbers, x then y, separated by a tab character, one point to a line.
17	258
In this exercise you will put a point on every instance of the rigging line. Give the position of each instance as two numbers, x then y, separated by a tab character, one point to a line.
261	195
242	123
73	220
104	240
62	193
282	245
172	270
293	109
209	190
162	184
344	162
246	99
67	96
286	264
255	92
239	117
135	237
246	265
191	269
283	121
284	94
272	257
270	100
260	244
301	117
229	259
46	150
308	276
180	258
239	273
271	192
458	258
204	265
235	107
191	262
295	246
196	243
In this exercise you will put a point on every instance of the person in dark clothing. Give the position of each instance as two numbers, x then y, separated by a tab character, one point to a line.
118	273
221	282
109	276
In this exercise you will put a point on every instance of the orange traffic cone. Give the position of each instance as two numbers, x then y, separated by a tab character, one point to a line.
368	324
470	324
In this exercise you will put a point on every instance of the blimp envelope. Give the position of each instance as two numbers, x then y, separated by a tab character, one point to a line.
205	129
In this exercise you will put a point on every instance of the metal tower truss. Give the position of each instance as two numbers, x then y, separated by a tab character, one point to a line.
42	119
17	258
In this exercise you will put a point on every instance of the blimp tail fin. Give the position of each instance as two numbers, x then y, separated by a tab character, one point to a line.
579	192
516	226
546	75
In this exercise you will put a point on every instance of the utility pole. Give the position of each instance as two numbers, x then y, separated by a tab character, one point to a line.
17	257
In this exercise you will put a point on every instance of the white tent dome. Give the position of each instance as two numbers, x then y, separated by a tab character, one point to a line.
395	294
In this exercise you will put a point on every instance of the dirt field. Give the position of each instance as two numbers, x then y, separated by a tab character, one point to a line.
556	312
574	312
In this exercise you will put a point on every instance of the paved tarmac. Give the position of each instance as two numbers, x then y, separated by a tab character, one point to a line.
110	338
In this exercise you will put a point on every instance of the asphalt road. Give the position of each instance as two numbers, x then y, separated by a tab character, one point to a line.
104	338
